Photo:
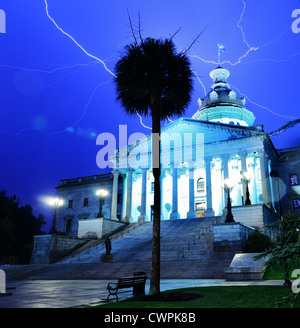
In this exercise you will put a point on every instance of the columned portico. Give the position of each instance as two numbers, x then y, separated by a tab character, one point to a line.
209	210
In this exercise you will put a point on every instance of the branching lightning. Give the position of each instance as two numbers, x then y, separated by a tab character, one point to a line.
264	107
86	52
80	46
38	70
203	86
97	60
249	50
69	128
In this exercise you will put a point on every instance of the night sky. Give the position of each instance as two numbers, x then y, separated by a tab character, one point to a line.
55	97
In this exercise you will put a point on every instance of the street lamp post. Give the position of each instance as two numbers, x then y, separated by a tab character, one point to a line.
247	177
55	203
101	193
228	187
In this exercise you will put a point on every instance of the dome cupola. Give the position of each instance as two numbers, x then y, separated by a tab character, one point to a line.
222	104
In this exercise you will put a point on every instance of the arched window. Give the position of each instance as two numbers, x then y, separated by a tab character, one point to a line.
200	184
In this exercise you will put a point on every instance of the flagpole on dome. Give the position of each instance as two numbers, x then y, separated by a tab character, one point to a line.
221	49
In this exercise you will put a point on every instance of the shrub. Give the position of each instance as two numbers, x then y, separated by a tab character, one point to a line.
258	242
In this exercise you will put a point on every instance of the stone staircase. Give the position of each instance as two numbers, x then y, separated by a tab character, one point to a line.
186	252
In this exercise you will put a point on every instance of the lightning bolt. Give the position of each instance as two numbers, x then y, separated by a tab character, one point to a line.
47	71
86	52
66	129
202	84
263	107
250	49
242	30
78	45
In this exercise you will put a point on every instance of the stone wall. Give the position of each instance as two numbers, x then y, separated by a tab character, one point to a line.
256	216
231	237
50	248
99	226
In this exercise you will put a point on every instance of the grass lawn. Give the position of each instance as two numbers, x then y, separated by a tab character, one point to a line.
218	297
276	270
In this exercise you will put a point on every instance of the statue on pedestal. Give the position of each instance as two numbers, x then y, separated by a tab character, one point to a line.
107	257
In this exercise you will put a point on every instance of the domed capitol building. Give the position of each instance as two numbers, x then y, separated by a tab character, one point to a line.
234	149
215	157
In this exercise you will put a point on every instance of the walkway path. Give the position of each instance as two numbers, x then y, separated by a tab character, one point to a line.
79	293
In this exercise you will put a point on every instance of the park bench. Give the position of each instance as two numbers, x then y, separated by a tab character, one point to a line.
137	282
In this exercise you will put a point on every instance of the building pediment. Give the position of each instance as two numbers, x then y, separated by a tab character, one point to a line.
213	131
183	139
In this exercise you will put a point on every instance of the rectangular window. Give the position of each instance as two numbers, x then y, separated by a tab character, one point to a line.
70	204
294	179
68	226
296	204
86	202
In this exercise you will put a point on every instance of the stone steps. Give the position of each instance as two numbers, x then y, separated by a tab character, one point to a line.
195	269
192	237
183	255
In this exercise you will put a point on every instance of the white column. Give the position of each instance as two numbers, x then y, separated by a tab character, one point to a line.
209	211
225	159
114	195
162	176
143	217
243	156
191	214
264	176
272	196
124	198
255	180
174	215
128	217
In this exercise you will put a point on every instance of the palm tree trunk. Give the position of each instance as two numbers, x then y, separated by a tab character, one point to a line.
155	264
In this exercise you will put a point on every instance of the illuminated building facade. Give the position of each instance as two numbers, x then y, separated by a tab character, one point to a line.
199	154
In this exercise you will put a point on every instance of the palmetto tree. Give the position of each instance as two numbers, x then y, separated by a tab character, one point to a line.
152	78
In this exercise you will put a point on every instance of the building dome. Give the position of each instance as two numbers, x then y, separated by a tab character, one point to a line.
222	104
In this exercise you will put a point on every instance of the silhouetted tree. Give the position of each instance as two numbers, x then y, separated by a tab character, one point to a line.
153	79
17	227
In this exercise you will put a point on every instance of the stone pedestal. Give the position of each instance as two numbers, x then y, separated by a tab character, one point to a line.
107	258
244	267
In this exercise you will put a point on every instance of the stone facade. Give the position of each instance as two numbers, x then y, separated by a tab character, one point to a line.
198	155
81	201
98	226
287	188
231	237
50	248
